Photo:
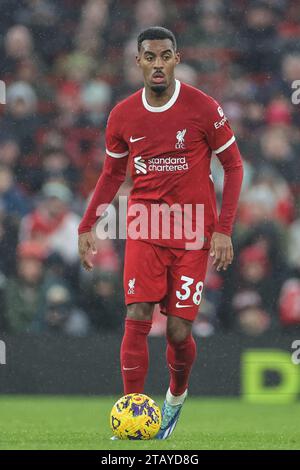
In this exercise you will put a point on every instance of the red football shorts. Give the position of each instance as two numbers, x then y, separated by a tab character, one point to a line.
172	277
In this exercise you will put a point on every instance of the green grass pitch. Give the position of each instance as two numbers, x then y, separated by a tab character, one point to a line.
83	423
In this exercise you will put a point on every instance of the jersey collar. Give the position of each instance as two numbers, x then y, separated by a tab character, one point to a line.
169	104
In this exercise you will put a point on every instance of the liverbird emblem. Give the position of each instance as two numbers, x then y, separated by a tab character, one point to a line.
180	139
131	285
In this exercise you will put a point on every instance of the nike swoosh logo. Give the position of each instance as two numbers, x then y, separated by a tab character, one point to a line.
178	305
130	368
135	140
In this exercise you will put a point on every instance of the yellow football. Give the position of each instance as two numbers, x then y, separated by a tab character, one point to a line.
135	416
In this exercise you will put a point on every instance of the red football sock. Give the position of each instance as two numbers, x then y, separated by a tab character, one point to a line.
180	358
135	355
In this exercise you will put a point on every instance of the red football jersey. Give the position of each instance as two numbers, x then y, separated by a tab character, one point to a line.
169	152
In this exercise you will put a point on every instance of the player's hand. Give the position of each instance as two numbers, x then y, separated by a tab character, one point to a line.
86	247
222	250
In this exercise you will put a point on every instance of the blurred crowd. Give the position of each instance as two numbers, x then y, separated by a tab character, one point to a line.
65	64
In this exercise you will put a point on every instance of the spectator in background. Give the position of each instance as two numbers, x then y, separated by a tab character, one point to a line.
53	222
57	272
150	12
18	46
293	245
20	121
56	166
289	299
29	71
246	304
259	270
268	198
214	38
187	74
59	315
9	152
250	304
102	300
277	149
24	292
49	22
290	69
94	18
68	104
258	43
289	303
14	201
132	77
9	231
102	289
95	99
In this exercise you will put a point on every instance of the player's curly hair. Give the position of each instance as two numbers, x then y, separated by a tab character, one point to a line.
156	32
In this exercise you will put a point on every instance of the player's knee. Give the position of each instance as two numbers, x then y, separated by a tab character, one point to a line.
177	337
140	311
178	329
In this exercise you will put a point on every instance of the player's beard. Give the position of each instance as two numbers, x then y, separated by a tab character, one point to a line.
159	89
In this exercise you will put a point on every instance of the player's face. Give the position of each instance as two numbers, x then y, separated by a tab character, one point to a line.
157	59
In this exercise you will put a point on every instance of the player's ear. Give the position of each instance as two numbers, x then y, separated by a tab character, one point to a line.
177	58
138	60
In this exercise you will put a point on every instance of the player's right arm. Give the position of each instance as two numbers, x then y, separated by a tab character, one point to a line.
109	182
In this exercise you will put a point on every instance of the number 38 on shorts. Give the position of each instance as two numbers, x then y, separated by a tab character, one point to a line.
190	290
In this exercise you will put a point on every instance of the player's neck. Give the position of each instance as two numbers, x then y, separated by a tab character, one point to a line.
160	99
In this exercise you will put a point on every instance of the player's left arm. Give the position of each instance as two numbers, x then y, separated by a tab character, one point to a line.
221	244
222	142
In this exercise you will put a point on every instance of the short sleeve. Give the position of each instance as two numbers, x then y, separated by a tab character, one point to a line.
115	145
218	132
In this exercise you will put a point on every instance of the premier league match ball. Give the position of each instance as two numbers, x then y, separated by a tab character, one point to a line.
135	416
